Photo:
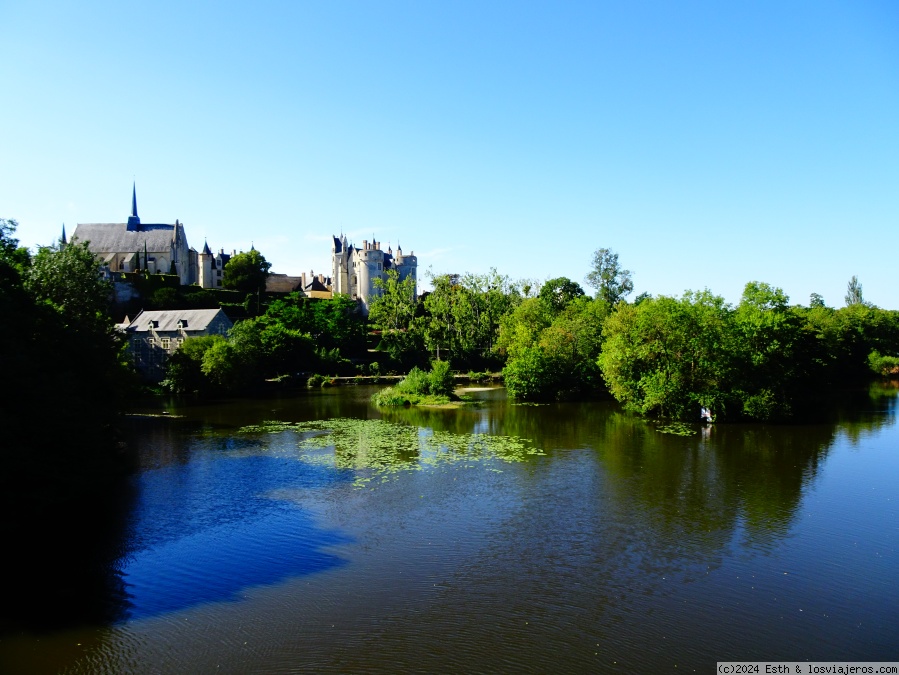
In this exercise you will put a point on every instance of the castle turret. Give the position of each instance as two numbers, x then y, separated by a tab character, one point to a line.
206	267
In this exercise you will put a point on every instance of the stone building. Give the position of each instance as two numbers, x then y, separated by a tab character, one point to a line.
153	336
132	245
354	270
211	267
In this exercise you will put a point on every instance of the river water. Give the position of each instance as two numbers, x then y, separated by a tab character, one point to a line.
569	537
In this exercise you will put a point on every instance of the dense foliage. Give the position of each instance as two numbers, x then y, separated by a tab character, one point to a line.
63	374
551	343
247	272
294	336
419	387
762	359
659	356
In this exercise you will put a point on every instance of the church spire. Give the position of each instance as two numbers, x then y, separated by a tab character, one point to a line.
133	219
62	240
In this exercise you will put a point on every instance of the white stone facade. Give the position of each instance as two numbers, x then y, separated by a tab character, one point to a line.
354	270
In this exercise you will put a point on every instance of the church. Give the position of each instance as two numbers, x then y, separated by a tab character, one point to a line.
133	245
354	270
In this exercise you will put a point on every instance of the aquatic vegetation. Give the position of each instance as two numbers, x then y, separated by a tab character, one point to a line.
677	429
378	448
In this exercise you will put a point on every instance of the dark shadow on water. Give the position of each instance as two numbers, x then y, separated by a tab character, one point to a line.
197	524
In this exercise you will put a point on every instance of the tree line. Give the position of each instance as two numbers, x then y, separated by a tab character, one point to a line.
660	356
64	375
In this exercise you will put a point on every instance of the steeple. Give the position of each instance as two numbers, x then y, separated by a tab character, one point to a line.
133	220
62	240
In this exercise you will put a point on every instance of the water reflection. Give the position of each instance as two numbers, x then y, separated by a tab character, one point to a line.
615	540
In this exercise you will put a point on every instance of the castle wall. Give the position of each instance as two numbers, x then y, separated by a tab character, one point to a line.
354	270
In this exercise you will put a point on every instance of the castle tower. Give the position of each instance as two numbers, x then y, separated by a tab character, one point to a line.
355	270
206	267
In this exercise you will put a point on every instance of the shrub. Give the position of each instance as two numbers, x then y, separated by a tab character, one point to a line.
440	379
529	375
416	382
390	397
883	365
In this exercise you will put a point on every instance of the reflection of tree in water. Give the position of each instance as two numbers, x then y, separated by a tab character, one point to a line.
694	489
64	565
764	470
865	411
465	420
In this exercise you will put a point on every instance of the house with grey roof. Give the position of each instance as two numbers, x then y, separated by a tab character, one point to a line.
154	335
133	245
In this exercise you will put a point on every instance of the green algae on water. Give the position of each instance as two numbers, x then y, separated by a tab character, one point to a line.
378	448
677	429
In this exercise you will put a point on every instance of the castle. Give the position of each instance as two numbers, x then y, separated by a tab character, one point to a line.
354	270
163	249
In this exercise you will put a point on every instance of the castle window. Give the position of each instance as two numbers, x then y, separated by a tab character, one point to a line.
166	343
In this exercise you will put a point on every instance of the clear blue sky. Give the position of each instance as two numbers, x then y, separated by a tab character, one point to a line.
708	143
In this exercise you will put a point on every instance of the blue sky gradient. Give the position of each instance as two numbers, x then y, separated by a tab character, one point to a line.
708	143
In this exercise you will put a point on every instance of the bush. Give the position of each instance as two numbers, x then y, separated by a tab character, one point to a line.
883	365
315	381
529	376
419	387
390	397
416	382
440	379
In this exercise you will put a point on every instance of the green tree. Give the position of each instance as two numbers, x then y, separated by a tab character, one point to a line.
394	307
63	376
184	368
68	278
247	272
854	292
612	283
553	357
393	312
439	323
558	293
667	357
769	345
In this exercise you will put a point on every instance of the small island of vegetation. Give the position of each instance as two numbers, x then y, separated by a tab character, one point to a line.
434	388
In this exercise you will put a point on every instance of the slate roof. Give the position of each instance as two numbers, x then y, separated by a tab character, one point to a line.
193	320
117	238
315	285
282	283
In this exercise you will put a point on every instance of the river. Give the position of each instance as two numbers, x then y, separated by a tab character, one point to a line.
569	537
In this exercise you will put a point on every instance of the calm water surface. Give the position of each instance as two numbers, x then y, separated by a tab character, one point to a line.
619	549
